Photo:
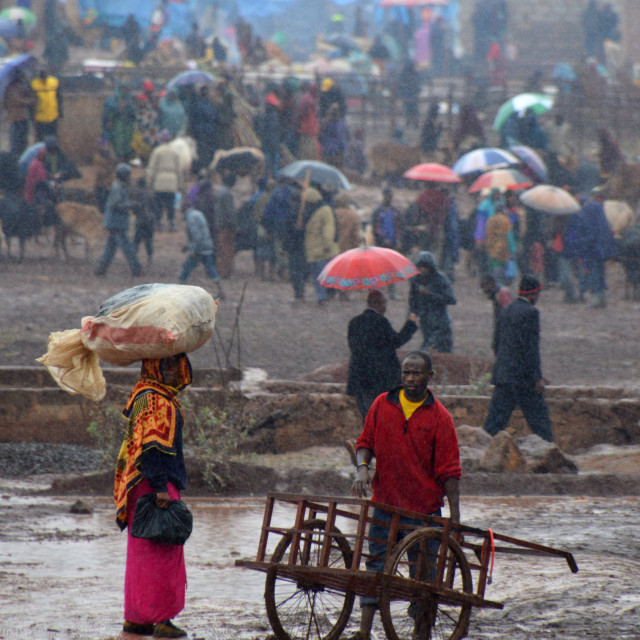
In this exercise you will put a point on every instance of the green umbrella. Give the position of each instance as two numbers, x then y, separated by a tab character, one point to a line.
539	102
14	14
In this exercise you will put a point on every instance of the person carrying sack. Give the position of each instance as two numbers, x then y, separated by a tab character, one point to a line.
151	461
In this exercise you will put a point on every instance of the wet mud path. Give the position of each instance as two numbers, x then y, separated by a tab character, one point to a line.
61	574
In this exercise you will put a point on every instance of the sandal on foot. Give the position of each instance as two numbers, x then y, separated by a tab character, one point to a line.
139	629
166	629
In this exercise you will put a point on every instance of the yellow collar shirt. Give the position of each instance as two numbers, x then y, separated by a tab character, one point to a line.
47	92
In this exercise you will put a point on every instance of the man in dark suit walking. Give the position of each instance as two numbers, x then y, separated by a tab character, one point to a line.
374	367
517	374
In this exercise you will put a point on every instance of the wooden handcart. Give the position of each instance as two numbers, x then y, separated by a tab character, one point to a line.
425	590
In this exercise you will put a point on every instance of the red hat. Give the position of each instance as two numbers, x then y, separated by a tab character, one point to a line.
148	86
272	99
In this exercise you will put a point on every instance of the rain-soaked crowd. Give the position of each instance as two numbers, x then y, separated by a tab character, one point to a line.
164	150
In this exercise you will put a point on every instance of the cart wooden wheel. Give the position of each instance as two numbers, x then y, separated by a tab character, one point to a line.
303	609
419	615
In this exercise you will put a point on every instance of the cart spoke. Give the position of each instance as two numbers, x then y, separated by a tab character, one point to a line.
426	616
298	607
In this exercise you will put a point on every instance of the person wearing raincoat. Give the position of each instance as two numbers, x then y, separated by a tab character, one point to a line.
118	122
429	296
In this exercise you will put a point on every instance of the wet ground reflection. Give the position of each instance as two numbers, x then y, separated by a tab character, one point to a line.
61	574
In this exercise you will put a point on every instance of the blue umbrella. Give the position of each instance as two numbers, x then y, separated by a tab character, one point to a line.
481	160
532	161
67	168
320	172
27	157
193	76
8	67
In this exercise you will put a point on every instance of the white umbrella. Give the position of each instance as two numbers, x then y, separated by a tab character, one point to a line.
550	199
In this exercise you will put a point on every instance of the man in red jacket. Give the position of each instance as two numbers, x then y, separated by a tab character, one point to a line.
413	439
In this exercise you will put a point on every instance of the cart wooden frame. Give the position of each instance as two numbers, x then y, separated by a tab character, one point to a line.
425	590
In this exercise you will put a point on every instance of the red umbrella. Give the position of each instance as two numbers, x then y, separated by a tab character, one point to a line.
366	268
432	172
501	178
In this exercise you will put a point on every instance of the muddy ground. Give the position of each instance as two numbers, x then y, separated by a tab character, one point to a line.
580	345
61	577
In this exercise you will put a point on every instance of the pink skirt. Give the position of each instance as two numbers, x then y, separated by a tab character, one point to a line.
155	579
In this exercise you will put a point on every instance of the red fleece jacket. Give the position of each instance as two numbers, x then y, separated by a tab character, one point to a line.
413	457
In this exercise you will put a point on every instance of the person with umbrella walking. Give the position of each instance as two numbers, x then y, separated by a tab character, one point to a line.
320	238
373	364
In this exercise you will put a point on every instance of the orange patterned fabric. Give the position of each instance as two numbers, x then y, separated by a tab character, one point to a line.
153	412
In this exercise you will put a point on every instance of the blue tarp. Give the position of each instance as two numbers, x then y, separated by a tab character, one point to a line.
181	14
255	9
115	12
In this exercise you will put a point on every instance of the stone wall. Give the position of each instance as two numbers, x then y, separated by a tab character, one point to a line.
289	416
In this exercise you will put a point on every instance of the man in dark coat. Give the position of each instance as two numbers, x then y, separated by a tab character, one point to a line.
500	298
374	367
203	125
429	295
517	373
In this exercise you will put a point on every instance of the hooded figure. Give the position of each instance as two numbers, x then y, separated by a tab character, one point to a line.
172	113
151	461
429	295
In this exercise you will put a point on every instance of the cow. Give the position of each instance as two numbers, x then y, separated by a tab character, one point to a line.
79	220
19	220
629	256
624	183
620	217
389	160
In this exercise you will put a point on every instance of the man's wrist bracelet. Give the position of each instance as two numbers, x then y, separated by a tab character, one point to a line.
362	464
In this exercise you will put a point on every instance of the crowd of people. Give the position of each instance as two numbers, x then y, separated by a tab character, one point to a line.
297	229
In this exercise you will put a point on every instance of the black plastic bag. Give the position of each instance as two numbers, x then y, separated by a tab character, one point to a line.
172	525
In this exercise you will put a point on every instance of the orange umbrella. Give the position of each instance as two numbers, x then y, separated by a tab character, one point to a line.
366	268
432	172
